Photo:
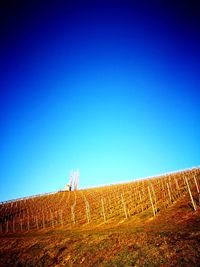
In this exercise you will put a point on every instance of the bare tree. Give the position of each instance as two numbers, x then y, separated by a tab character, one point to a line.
76	179
73	180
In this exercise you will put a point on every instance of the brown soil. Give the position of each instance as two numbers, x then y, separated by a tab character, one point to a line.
171	238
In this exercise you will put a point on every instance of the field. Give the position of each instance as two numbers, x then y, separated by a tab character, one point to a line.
151	222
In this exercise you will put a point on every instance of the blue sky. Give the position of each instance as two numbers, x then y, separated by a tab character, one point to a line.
111	88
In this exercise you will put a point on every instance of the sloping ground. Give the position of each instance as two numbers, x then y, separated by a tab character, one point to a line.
171	238
109	204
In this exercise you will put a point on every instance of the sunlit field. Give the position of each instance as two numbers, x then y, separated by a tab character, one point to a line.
150	222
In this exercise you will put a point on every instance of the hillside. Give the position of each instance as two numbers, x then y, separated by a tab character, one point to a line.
151	222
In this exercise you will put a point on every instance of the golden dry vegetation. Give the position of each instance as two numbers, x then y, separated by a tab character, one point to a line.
151	222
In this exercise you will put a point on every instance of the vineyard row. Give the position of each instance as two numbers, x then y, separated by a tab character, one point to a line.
100	205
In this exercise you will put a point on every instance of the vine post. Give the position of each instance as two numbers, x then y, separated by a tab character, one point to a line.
151	201
197	186
169	192
124	206
191	197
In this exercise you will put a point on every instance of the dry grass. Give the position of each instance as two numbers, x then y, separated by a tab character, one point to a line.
171	238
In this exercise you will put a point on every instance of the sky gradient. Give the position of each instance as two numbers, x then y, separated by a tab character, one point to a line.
111	88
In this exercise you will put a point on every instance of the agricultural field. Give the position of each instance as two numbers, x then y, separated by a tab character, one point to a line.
149	222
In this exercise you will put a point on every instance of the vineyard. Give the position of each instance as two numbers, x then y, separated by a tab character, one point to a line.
99	206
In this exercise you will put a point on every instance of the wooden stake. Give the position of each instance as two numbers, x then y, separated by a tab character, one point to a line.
151	201
52	222
43	221
193	203
124	206
28	226
56	217
103	211
155	200
163	188
197	186
170	197
87	209
170	186
177	185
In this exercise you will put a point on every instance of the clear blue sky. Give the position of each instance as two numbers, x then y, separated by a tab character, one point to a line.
111	88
